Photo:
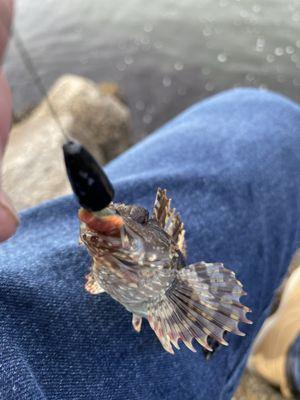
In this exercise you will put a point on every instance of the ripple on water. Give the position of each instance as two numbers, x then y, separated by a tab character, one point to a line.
167	53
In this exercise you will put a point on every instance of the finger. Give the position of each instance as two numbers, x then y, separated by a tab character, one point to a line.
6	10
8	217
5	112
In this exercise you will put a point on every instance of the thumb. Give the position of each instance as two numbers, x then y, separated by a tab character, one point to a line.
8	217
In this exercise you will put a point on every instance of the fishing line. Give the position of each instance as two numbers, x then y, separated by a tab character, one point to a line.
19	44
29	65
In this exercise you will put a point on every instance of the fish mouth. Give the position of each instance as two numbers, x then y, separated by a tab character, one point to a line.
108	224
108	239
107	233
111	238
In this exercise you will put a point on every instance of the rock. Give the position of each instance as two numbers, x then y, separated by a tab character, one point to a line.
113	89
33	164
253	387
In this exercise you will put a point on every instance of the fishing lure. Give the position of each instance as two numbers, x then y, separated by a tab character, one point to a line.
140	260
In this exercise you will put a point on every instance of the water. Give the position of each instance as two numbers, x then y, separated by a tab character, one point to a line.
165	55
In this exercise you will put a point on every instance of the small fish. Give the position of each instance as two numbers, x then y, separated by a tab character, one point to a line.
140	261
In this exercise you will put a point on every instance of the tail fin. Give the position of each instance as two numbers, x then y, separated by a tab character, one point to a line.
202	302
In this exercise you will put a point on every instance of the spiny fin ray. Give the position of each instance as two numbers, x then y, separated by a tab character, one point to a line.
203	302
168	219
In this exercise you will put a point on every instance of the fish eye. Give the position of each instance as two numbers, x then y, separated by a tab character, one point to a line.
93	239
139	214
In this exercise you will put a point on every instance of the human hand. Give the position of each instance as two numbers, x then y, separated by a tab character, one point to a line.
8	217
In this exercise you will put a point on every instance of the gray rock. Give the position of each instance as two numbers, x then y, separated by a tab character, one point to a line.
33	164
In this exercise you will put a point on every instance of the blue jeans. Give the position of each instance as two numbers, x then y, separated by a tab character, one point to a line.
232	166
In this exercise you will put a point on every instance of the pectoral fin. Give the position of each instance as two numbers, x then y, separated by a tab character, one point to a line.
202	302
137	323
92	285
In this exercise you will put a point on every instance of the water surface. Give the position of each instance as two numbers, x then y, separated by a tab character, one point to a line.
164	54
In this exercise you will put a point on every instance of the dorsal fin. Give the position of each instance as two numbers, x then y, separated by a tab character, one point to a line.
169	219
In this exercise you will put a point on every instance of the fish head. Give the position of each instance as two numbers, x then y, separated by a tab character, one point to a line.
123	232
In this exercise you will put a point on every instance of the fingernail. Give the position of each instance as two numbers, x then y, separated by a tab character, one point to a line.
9	220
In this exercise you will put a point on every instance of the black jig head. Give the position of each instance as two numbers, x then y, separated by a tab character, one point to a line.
89	182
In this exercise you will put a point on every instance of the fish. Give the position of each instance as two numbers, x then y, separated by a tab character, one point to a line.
140	260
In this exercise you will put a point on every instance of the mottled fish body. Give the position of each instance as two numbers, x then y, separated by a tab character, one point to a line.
139	260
